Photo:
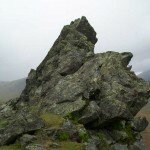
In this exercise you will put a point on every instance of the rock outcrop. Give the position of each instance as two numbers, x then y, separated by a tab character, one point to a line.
76	99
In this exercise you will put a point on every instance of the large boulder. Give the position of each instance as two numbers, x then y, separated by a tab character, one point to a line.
20	124
97	93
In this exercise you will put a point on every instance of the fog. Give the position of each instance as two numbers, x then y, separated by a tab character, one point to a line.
28	29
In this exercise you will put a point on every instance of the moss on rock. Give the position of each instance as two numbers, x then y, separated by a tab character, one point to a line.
3	123
53	120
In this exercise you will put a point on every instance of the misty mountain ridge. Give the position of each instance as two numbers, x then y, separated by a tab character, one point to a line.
11	89
145	75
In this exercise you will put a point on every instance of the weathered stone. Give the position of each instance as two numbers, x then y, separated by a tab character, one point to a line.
85	28
119	135
26	139
97	90
92	144
35	147
68	77
139	124
22	123
138	145
68	107
119	147
90	113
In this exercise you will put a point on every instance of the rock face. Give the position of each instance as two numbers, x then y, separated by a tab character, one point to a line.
78	99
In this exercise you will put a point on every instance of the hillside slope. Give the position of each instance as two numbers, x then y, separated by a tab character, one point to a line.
12	89
145	75
145	112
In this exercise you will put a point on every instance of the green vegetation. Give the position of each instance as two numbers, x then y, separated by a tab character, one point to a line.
63	136
34	108
103	143
71	146
11	147
3	123
100	135
73	118
83	136
127	129
131	136
52	119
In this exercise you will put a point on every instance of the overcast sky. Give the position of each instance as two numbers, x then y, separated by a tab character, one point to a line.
28	29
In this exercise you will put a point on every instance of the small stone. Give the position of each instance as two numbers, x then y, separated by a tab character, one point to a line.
119	147
27	139
139	124
138	145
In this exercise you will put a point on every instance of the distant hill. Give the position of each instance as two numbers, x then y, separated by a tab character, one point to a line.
146	112
12	89
145	75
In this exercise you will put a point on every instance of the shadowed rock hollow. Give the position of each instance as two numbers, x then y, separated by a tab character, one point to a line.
77	99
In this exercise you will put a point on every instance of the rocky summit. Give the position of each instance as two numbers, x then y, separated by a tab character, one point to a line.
77	99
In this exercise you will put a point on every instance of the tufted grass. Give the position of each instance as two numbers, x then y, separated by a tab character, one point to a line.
52	120
63	136
3	123
71	146
11	147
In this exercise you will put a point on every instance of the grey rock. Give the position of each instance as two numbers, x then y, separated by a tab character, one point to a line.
139	124
119	135
26	139
96	90
90	113
35	147
119	147
92	144
20	125
138	145
68	78
66	108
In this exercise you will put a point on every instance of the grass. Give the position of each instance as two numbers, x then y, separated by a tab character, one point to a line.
48	144
52	120
3	123
11	147
131	137
63	136
128	129
71	146
74	117
83	136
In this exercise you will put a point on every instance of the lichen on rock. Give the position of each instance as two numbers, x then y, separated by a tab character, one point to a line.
77	99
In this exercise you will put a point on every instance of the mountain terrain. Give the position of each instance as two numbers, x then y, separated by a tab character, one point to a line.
11	89
145	112
77	100
145	75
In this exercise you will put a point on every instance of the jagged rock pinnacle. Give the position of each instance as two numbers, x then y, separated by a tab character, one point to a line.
77	97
